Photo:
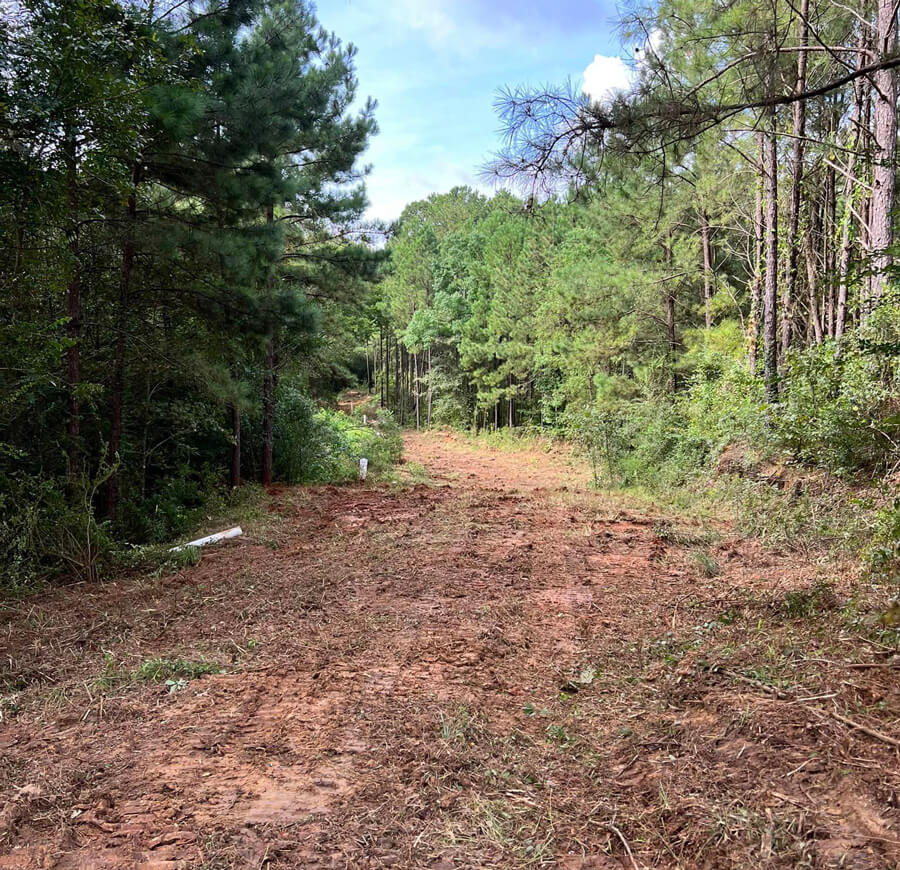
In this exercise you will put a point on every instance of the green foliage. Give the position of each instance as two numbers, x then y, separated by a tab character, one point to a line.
808	603
180	504
839	413
318	445
162	669
164	250
707	565
46	527
602	436
173	673
883	554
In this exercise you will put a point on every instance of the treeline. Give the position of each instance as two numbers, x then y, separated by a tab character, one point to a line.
708	258
180	183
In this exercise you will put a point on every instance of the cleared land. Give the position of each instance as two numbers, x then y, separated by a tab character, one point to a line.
491	667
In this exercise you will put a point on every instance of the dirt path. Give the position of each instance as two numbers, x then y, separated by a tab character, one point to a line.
492	668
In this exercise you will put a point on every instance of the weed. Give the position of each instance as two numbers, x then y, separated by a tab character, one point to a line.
461	726
708	566
159	669
174	673
558	734
807	603
683	536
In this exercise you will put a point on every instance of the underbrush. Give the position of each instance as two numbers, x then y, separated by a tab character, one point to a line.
531	437
320	445
52	526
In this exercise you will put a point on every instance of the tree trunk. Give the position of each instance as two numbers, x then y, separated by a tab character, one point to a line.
397	400
73	306
268	411
707	267
269	392
770	294
828	236
378	371
669	310
885	154
815	322
415	361
118	380
850	187
758	265
429	389
789	291
235	445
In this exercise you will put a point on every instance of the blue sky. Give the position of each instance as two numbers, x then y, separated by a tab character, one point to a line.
435	67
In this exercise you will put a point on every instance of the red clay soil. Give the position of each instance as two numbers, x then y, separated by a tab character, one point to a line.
490	668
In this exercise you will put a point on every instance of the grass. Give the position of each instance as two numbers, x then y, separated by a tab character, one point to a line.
708	566
808	603
461	727
175	673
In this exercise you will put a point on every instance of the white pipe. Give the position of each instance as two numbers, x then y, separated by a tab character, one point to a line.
210	539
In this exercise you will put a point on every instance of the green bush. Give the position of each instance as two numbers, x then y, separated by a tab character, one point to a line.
47	527
319	445
838	413
179	506
883	554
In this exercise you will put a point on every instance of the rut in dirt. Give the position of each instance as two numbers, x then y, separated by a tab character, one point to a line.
491	667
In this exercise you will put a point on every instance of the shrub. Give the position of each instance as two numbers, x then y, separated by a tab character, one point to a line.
48	526
883	554
318	445
838	413
180	505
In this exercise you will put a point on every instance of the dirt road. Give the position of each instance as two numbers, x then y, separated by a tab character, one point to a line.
492	667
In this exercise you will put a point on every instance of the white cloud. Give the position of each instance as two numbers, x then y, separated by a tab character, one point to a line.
432	18
391	189
604	76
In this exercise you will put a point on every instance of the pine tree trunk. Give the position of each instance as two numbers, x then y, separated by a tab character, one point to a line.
884	179
268	411
707	267
770	293
865	209
758	264
669	305
429	389
789	291
815	323
235	477
850	187
397	400
73	306
379	375
269	393
416	367
829	222
118	379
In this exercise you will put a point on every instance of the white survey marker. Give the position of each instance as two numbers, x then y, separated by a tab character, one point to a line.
363	468
211	539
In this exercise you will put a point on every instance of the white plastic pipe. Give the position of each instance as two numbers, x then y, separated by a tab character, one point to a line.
211	539
363	468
